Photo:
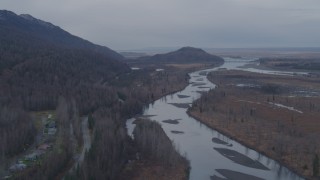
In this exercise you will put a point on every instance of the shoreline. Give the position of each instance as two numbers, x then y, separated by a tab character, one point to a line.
186	171
181	89
267	68
244	143
232	136
151	162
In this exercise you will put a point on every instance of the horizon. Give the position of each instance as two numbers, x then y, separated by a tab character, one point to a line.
154	48
168	48
122	25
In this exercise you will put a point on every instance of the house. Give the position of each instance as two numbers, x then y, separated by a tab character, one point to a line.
44	147
7	177
51	124
34	156
17	167
31	157
52	131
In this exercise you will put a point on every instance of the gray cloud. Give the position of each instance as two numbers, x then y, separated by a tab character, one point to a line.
134	24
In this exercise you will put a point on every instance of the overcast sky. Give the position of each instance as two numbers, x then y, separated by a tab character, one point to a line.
136	24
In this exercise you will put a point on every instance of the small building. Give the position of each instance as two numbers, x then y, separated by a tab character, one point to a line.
7	177
34	156
17	167
44	147
51	124
52	131
31	157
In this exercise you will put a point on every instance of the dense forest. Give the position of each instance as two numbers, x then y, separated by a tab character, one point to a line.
17	130
35	69
156	149
312	64
154	144
42	67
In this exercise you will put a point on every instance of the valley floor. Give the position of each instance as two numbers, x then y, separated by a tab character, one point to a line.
276	115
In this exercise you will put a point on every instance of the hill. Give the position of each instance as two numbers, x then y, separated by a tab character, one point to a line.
185	55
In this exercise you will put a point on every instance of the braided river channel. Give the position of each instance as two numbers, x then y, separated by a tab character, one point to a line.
212	155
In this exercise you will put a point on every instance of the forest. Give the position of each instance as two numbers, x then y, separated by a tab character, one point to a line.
306	64
42	67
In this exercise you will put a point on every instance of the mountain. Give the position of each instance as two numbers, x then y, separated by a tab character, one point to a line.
46	31
185	55
39	62
24	38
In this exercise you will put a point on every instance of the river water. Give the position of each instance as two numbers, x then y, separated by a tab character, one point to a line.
208	158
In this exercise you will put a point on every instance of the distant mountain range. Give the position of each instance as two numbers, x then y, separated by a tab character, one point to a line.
185	55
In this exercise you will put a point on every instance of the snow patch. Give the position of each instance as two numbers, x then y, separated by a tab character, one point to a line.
248	85
286	107
135	68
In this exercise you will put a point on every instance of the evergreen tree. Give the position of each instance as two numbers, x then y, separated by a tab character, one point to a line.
316	165
90	122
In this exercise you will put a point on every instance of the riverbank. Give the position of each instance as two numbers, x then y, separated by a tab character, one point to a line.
171	79
156	157
150	170
311	65
231	135
266	113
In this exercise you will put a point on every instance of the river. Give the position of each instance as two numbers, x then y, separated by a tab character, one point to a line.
207	158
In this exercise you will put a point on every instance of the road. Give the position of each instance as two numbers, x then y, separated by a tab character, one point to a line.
86	143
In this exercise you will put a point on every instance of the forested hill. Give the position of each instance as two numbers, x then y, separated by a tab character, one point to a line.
25	39
15	24
185	55
40	61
